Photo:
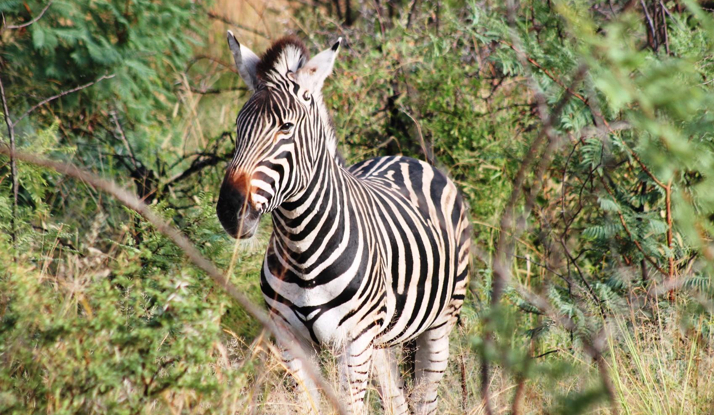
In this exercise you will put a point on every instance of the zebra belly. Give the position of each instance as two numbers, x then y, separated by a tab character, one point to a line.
325	327
421	211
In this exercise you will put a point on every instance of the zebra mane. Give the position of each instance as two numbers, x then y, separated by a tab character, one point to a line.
287	54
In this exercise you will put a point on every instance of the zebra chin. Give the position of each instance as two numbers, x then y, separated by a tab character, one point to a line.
246	228
240	226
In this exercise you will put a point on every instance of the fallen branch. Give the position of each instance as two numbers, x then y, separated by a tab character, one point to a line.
281	333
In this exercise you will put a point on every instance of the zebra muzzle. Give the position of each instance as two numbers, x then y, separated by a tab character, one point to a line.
235	211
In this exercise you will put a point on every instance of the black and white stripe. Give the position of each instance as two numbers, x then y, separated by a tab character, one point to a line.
361	258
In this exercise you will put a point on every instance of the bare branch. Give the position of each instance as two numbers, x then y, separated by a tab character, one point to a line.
231	67
39	16
281	333
653	40
226	20
60	95
664	27
426	148
412	8
590	132
197	165
209	91
500	270
668	201
122	136
590	345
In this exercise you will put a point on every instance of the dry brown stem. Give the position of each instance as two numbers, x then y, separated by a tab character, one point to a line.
128	199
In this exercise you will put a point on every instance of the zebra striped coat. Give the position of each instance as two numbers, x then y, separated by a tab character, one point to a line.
361	258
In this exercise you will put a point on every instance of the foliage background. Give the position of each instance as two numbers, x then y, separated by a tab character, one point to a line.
580	132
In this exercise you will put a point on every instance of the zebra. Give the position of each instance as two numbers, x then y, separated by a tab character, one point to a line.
361	258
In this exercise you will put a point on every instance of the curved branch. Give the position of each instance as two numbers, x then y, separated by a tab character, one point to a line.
60	95
39	16
281	333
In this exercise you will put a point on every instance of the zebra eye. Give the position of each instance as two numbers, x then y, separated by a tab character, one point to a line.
285	128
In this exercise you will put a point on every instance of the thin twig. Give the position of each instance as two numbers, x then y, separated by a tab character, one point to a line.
523	376
589	347
197	165
612	127
531	156
11	131
629	234
547	72
226	20
464	389
231	67
426	148
668	202
412	9
281	333
60	95
620	125
546	353
653	43
13	164
261	15
504	246
122	136
545	267
209	91
545	160
378	8
39	16
664	25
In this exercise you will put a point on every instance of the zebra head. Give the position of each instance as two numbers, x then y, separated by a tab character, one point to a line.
281	130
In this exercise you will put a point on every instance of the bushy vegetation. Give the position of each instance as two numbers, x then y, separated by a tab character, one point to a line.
580	132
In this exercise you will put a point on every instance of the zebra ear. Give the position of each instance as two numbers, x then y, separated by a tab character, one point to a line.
246	61
313	74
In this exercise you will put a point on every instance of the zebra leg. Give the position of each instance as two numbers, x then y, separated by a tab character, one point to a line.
391	386
308	394
431	360
354	365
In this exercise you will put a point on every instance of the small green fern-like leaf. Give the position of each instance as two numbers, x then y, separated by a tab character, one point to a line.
608	205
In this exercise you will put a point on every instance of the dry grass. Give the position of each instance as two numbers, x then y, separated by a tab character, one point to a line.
654	368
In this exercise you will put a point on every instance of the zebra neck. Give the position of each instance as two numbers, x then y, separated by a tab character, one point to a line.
319	208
